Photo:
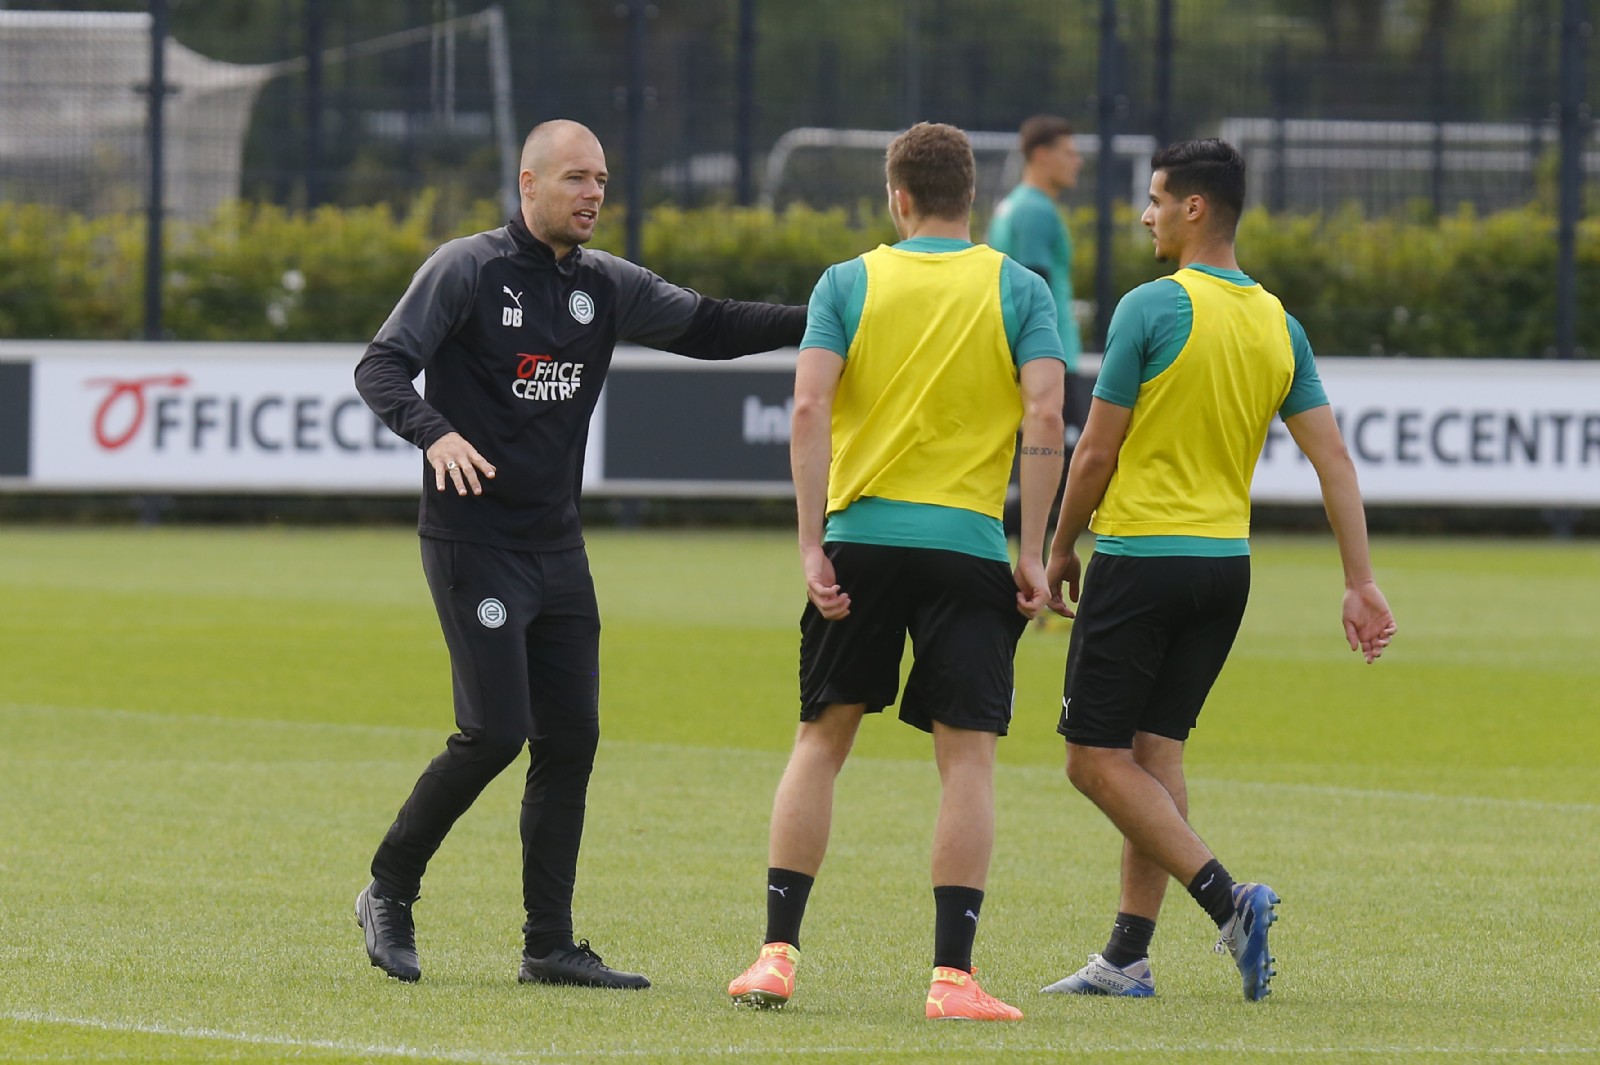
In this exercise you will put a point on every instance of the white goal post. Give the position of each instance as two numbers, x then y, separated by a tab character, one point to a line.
1135	148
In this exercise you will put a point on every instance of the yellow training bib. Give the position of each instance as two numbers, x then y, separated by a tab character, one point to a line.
1198	426
927	409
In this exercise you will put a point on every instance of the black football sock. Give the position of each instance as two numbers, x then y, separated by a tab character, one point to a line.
955	925
1212	888
1130	940
787	892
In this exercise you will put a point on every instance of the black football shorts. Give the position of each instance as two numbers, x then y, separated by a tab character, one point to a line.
1150	638
961	614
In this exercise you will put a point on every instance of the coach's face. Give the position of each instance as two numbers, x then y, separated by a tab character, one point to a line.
563	188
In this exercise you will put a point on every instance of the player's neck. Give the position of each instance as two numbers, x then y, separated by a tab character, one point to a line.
1034	181
948	228
1216	254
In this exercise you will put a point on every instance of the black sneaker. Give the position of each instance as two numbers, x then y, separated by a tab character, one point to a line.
576	965
391	935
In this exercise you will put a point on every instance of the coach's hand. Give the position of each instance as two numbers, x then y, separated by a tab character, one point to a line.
454	459
1061	568
822	587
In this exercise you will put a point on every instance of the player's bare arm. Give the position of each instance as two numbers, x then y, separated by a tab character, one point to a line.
1368	622
817	373
1094	460
1040	382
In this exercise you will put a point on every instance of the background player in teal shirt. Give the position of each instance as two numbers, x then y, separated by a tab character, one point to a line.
1028	227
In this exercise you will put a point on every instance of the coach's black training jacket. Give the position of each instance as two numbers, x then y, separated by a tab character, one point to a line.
516	346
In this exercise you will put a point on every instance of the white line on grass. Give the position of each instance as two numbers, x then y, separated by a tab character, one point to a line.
755	1050
257	1039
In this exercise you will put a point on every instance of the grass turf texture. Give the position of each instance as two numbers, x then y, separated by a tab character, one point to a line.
206	732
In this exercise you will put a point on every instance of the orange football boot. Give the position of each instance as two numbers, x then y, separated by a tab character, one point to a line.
769	982
955	996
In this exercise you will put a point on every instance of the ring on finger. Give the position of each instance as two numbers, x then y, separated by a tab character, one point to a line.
451	465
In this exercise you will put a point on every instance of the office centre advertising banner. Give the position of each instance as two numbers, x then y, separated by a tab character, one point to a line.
205	417
177	417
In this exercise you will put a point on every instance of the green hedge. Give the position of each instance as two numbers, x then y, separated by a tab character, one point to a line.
1465	285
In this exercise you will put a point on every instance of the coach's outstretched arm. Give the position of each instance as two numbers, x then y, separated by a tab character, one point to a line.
1368	623
659	314
728	329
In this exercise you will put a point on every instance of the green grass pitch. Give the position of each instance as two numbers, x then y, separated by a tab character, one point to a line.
206	732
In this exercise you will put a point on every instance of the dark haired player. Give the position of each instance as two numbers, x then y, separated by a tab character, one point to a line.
1196	366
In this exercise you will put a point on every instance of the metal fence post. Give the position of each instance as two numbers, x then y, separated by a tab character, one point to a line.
314	104
1575	30
1437	80
1278	188
1163	117
153	268
913	64
1109	78
633	184
745	114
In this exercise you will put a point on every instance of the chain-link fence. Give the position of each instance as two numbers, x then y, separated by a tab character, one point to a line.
1377	102
1389	107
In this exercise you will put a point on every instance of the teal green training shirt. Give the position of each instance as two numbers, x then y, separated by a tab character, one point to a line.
834	316
1028	227
1148	330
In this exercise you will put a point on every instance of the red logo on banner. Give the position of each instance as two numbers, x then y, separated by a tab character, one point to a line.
130	395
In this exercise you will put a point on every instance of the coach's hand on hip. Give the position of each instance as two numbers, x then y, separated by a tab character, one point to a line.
454	459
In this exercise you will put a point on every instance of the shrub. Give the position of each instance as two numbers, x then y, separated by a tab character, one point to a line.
1465	285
